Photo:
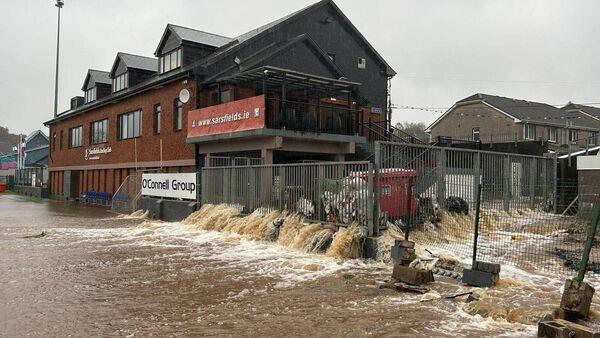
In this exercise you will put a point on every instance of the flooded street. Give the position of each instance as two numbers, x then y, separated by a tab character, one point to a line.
97	274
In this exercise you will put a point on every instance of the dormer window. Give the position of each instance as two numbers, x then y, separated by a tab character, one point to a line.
120	82
169	61
90	95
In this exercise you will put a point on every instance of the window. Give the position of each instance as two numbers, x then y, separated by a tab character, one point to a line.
61	139
593	138
76	137
99	132
130	125
362	63
221	97
157	118
529	132
476	135
90	95
573	136
120	82
552	134
169	61
53	141
331	56
178	115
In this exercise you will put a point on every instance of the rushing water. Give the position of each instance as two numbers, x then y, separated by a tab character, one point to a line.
97	274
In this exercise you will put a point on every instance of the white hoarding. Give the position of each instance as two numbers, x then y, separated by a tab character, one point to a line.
173	185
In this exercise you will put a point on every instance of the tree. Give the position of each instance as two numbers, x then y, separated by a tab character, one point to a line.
413	128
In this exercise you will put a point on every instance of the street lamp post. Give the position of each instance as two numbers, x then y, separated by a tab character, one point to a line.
59	4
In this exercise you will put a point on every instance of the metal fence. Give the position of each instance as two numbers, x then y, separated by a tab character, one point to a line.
338	192
32	177
224	161
434	190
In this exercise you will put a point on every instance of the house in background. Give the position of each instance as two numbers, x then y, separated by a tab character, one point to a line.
495	119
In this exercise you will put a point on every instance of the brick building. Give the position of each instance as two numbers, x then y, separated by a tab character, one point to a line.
305	85
495	119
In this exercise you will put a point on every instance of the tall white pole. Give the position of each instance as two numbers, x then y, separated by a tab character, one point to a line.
59	5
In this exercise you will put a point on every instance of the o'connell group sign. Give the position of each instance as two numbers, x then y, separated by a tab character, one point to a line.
240	115
170	185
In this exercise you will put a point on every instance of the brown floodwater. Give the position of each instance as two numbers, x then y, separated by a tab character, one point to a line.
98	274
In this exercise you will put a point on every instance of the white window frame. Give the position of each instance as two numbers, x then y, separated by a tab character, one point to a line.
99	132
76	137
130	125
529	132
169	61
90	95
362	63
552	134
474	131
573	136
121	82
593	138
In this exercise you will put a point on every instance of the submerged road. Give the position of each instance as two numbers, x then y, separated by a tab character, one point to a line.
97	274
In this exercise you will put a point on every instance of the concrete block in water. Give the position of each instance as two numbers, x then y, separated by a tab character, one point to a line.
479	278
403	252
487	267
577	298
561	328
410	275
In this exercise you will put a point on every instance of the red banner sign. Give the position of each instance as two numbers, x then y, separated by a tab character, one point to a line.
240	115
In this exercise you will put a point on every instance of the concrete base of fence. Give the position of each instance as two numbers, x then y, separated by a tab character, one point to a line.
482	274
168	210
39	192
576	299
562	328
410	275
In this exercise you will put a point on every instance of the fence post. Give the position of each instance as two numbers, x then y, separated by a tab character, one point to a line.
370	211
532	176
282	173
476	233
506	183
476	173
588	244
555	181
377	188
408	207
441	178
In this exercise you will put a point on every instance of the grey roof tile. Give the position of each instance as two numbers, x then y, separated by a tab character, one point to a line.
139	62
205	38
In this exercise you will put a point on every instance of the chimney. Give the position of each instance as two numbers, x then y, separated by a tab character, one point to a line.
77	101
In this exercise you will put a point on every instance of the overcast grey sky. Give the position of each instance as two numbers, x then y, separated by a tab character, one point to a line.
443	51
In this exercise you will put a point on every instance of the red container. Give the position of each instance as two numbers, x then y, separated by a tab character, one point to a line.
2	187
394	200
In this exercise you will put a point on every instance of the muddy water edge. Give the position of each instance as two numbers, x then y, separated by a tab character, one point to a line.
97	274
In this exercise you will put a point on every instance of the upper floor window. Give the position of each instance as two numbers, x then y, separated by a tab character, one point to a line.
99	132
552	134
90	95
476	134
157	118
76	137
593	138
120	82
178	115
169	61
61	139
573	136
362	63
529	132
221	97
130	125
53	141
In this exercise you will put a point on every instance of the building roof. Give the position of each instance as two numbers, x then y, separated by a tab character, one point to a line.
136	62
528	111
589	110
33	134
98	76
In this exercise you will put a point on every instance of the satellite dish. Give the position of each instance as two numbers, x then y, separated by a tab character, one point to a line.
184	95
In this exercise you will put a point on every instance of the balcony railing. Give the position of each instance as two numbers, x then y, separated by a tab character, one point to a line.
309	117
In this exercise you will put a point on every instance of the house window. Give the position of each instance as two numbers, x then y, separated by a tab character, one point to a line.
130	125
593	138
76	137
53	141
573	136
61	139
99	132
177	115
157	118
90	95
169	61
552	134
331	56
362	63
529	132
476	134
120	82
